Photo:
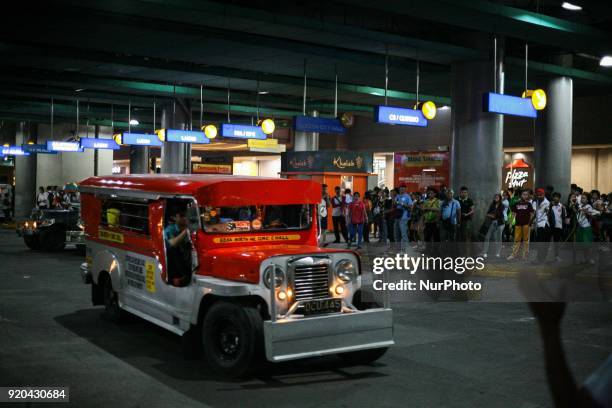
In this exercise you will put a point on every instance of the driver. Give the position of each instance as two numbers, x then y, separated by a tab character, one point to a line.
178	249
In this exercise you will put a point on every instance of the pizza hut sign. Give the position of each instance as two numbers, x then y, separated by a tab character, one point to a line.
517	174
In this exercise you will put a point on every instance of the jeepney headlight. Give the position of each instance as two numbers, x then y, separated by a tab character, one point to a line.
81	224
345	270
279	276
48	222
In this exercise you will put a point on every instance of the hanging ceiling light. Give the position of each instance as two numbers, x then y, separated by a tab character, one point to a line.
134	122
267	126
570	6
606	61
210	131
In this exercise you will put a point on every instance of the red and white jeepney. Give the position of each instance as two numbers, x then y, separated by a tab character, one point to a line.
255	279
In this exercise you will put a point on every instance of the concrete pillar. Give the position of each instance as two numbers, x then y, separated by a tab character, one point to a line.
139	159
477	137
25	175
553	143
175	157
307	141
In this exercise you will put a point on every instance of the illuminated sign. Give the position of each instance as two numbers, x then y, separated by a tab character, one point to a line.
183	136
14	151
317	125
394	115
58	146
242	131
139	139
508	105
37	148
93	143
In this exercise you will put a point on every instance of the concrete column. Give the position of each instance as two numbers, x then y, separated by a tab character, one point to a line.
307	141
477	137
139	159
553	143
175	157
25	175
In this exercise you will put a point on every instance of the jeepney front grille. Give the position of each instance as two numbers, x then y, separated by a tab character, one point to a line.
311	281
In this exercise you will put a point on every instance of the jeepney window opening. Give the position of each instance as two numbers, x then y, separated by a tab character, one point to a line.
256	218
127	215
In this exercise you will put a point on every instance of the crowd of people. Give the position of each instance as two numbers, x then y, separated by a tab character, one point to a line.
56	198
439	215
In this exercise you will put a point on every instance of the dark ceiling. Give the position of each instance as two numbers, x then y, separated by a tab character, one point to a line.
115	52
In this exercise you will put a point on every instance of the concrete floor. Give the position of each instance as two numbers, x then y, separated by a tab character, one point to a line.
448	354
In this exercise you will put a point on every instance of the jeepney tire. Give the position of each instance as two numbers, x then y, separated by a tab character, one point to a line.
243	319
112	311
32	241
363	357
53	239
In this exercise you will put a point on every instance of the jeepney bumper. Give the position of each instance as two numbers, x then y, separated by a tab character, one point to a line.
291	338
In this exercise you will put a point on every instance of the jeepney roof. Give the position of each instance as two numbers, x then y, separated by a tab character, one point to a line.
214	190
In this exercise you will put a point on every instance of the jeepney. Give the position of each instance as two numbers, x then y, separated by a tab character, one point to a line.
255	283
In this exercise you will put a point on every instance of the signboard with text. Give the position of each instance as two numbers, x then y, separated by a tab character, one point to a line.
242	131
395	115
318	125
517	174
93	143
331	161
210	168
140	139
419	170
508	105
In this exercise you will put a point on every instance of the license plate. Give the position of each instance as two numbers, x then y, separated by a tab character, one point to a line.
321	306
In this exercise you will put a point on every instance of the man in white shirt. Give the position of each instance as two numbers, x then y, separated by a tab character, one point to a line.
541	208
42	199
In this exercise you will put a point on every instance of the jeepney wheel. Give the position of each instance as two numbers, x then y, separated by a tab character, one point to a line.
363	357
53	239
112	311
231	338
32	241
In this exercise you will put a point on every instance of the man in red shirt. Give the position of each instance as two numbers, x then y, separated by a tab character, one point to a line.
357	216
523	214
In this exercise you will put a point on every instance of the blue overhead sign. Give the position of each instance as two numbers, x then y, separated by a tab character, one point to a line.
185	136
395	115
140	139
242	131
37	148
93	143
59	146
14	151
317	125
508	105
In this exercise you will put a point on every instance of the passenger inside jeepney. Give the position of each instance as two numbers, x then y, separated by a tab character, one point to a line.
255	218
178	247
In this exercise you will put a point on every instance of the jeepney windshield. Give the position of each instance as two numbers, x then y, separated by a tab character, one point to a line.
256	218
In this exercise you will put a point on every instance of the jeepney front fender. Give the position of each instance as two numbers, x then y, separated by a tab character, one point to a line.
106	261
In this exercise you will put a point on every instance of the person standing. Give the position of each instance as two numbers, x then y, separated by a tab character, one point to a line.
357	216
523	215
404	206
42	199
584	231
378	211
496	214
557	220
450	215
338	219
323	214
367	202
431	216
467	211
347	199
541	206
389	215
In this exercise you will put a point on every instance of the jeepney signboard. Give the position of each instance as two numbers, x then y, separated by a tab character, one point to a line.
331	161
139	272
256	238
